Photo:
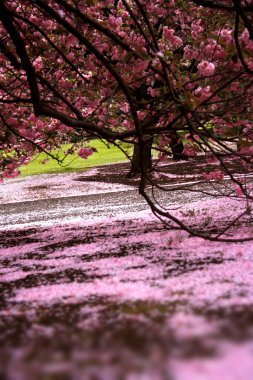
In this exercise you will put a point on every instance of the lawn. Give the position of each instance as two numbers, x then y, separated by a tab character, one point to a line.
106	154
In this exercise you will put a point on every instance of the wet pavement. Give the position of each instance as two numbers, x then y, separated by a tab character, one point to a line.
82	208
65	209
99	192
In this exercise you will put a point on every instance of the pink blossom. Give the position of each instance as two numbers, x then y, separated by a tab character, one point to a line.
245	36
153	92
84	152
114	21
38	63
140	65
216	175
168	33
71	56
196	28
189	151
226	35
203	93
61	13
12	121
125	107
174	41
10	173
206	68
126	124
189	52
238	190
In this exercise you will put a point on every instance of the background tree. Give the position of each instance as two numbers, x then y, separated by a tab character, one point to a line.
82	66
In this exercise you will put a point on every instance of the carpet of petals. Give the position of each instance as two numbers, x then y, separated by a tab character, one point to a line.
124	298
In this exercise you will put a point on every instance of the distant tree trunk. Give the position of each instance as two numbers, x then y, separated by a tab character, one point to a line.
147	158
177	148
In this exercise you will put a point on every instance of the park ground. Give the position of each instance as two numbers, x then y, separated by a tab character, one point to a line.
115	295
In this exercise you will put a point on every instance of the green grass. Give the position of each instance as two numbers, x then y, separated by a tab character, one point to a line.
105	155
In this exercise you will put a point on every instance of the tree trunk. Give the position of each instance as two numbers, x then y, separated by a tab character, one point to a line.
147	158
177	148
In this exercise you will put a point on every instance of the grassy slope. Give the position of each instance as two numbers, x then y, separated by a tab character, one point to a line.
104	155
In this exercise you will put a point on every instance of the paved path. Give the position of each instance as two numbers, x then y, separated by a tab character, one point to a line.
71	207
109	201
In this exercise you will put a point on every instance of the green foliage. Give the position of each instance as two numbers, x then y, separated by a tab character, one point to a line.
104	153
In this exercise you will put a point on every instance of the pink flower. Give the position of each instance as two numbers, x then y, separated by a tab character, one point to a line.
38	64
206	68
226	35
245	36
10	173
238	190
203	93
196	28
216	175
168	35
124	107
153	92
71	56
189	52
140	66
84	152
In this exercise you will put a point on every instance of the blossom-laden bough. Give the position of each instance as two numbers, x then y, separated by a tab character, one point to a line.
173	72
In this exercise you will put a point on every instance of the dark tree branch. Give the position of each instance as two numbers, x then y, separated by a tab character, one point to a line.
6	18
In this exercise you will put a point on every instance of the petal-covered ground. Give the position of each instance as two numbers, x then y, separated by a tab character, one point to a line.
124	298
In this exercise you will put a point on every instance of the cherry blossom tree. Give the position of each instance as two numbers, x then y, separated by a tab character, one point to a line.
164	73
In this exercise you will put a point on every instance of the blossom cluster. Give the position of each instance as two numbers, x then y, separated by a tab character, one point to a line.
123	70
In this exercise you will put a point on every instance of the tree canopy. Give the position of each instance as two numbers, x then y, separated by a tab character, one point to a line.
131	70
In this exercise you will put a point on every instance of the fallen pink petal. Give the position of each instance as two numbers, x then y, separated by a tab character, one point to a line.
120	295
